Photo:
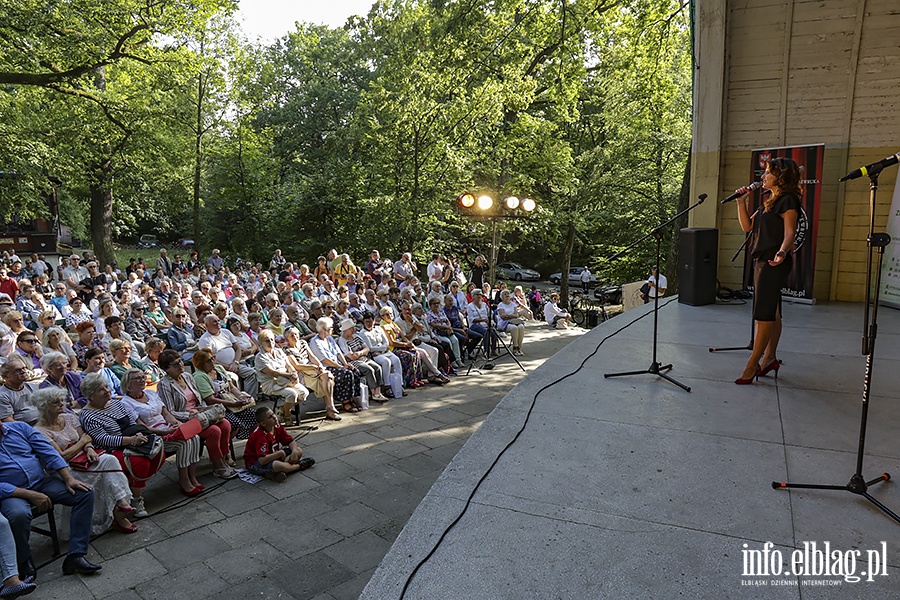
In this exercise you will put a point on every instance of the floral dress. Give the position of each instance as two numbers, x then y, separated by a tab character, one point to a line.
105	476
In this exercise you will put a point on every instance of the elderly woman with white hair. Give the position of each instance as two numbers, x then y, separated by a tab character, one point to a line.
112	497
56	366
477	313
152	412
356	351
512	321
239	310
55	339
377	343
521	300
315	376
346	377
106	421
435	291
276	375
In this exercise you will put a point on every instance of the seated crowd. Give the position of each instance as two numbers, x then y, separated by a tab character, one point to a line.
96	384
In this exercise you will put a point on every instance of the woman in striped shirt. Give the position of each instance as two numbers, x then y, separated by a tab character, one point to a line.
104	420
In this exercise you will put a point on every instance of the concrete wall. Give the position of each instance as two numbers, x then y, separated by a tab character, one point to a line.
792	72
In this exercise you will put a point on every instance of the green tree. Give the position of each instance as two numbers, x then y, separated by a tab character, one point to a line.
91	63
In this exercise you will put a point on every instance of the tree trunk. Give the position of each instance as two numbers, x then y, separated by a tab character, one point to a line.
101	213
102	197
198	147
567	262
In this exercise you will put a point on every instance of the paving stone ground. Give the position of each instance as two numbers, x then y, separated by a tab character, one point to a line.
321	534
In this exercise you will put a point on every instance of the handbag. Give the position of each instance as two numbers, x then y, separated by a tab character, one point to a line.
209	415
80	461
516	321
229	397
149	449
185	431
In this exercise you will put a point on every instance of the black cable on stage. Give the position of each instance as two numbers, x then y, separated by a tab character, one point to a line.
726	295
490	468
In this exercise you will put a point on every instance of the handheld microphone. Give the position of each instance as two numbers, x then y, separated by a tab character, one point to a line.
738	193
874	169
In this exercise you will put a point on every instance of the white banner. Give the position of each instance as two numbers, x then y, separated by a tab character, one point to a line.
890	270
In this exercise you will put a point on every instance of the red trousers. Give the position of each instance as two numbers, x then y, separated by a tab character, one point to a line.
217	436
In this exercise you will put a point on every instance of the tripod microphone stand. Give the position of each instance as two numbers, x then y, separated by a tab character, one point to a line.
877	243
743	248
488	363
655	368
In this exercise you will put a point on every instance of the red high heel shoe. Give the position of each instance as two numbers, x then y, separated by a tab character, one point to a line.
122	529
741	381
772	366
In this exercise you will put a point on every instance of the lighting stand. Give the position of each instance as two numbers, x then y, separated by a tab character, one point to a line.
655	368
877	243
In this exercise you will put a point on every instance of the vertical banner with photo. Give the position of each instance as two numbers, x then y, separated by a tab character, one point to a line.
810	159
890	269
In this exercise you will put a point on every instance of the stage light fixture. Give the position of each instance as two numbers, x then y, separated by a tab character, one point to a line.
485	202
528	205
511	203
466	200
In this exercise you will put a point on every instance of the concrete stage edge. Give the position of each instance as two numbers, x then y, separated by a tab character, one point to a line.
633	488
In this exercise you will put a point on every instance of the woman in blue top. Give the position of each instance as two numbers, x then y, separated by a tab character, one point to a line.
774	226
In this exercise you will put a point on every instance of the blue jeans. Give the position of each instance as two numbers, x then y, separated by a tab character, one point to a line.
18	512
259	469
8	560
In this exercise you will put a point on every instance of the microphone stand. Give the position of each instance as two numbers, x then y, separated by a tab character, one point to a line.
877	243
743	247
655	368
491	335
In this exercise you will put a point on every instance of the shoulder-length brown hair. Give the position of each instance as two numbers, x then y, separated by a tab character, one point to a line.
787	179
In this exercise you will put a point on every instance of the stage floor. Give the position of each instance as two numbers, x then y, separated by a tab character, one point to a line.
633	488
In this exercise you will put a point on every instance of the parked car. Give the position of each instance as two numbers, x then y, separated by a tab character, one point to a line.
574	277
511	270
147	241
608	294
186	243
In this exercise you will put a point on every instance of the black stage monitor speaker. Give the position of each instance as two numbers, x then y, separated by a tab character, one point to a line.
698	255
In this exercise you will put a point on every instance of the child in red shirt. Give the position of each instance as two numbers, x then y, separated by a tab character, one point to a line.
264	453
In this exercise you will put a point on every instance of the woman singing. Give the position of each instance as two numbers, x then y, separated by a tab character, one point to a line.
774	227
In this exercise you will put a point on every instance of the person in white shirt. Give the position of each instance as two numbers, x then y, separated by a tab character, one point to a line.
586	280
38	264
404	268
655	289
435	268
459	296
554	315
228	352
74	274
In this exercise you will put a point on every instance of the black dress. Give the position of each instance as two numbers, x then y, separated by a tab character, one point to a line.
768	235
